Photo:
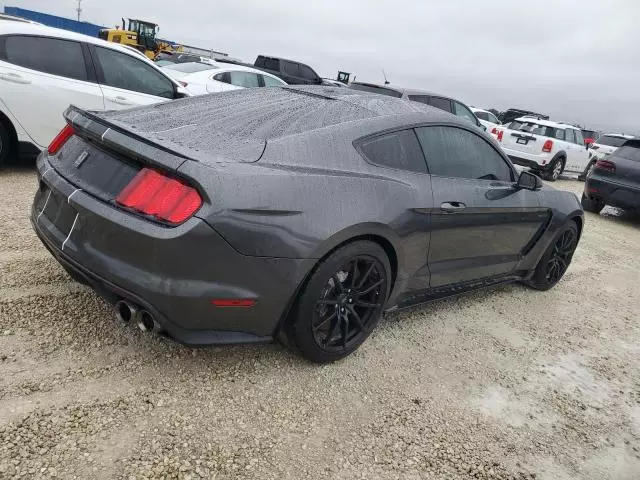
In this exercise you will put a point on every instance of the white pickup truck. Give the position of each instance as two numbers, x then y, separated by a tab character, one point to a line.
545	146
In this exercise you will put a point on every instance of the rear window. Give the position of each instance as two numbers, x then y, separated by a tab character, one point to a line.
629	152
399	150
376	89
190	67
611	141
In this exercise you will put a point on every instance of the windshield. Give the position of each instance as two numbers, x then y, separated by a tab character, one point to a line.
376	89
190	67
611	141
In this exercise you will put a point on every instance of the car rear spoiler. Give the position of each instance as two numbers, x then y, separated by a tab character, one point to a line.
117	138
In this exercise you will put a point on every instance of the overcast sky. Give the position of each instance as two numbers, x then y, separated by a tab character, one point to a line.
576	60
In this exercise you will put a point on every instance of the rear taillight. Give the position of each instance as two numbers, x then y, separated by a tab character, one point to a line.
548	146
500	134
606	165
153	193
494	130
65	134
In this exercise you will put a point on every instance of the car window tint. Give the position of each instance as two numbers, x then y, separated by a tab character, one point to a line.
629	152
124	71
272	82
49	55
461	111
307	73
223	77
244	79
396	150
441	103
568	135
272	64
493	118
611	141
419	98
579	137
559	134
291	68
483	116
515	125
455	152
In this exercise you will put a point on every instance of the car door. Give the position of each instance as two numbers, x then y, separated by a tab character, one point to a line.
399	157
569	146
127	81
480	222
40	77
308	75
581	153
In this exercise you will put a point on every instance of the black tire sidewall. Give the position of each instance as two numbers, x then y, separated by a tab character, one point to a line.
307	300
539	280
6	144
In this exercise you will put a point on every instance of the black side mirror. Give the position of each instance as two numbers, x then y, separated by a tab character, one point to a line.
529	181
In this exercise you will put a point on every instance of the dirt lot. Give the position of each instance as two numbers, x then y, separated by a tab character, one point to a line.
505	383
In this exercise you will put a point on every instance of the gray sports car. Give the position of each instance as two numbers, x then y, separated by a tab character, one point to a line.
299	213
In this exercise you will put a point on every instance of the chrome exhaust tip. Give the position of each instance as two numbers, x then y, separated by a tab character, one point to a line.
147	323
125	311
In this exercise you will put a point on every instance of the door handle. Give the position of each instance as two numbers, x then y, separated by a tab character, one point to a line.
120	100
452	207
14	78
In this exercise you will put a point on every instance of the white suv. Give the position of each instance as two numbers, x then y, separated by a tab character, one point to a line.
545	146
43	70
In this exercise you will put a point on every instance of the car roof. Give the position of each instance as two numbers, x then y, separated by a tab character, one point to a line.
216	67
617	135
546	123
20	28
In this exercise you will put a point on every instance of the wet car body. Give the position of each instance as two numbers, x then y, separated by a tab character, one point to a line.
284	183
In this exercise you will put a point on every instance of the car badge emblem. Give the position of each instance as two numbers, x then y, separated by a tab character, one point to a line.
81	158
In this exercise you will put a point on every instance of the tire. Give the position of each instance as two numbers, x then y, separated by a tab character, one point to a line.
556	168
5	144
556	260
593	205
340	305
587	171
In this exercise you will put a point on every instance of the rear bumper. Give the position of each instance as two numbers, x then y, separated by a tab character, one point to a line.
175	273
536	162
612	192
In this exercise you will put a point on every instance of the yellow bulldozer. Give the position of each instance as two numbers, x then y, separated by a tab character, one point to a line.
140	35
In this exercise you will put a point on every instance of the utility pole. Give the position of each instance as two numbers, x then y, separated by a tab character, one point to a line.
79	9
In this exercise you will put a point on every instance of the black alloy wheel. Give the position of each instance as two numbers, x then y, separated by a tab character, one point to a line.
342	302
554	263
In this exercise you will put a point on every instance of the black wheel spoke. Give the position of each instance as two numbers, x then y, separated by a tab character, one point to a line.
367	304
356	317
370	288
324	322
366	275
345	330
327	301
332	332
354	273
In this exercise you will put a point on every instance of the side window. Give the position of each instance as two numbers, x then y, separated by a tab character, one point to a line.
244	79
493	118
124	71
419	98
307	73
455	152
399	150
579	137
569	136
559	133
222	77
291	68
441	103
48	55
271	82
461	111
272	64
483	116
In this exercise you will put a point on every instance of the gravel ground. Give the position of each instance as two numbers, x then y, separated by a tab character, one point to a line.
504	383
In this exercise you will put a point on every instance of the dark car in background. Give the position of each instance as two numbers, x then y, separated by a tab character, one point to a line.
301	213
436	100
292	72
511	114
615	180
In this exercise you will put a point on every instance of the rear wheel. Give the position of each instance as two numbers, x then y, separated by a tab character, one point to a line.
5	144
342	302
593	205
556	169
556	259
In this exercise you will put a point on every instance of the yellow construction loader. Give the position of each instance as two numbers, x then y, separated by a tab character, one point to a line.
140	35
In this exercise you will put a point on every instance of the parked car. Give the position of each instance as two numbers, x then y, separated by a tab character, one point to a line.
544	146
602	148
300	212
436	100
43	70
203	78
486	118
615	181
292	72
589	136
511	114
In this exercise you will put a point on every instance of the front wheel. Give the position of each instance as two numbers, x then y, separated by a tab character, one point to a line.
555	261
341	302
593	205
